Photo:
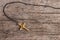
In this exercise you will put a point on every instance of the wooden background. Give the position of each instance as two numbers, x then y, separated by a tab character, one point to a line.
43	22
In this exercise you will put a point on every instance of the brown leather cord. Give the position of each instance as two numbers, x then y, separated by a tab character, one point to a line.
24	4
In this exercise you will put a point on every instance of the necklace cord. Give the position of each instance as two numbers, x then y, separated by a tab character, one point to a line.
24	4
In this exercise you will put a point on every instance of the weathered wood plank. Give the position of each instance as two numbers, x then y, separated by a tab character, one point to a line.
44	22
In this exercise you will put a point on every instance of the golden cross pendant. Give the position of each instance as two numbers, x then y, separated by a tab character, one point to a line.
22	26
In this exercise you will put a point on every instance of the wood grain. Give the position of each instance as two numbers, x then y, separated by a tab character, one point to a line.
43	22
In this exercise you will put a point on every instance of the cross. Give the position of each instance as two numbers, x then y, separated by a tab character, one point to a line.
22	26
